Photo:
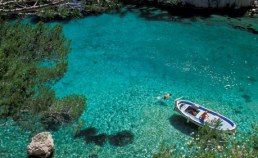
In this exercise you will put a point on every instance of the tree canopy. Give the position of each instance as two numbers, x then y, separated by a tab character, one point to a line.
32	59
64	9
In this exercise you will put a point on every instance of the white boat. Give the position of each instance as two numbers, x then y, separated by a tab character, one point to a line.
194	113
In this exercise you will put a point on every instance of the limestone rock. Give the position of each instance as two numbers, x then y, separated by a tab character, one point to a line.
42	145
219	3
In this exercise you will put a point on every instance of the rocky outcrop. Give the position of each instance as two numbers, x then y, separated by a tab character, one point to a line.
236	4
254	11
42	145
200	4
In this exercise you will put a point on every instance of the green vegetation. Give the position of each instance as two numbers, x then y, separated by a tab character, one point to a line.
82	8
32	59
215	144
164	152
63	9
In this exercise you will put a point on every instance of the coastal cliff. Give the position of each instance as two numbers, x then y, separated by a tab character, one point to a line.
236	4
200	4
77	8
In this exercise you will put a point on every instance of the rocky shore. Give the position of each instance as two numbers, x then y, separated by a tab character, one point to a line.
199	4
254	10
236	7
234	4
76	8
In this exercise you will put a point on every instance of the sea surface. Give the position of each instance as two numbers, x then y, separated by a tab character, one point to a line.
124	61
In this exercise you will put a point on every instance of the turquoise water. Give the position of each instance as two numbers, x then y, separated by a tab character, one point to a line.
122	63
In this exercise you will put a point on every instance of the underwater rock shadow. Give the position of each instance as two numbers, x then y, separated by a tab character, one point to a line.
99	139
33	156
86	132
180	123
122	138
90	135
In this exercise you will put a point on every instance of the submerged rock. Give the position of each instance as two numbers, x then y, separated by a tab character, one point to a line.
42	145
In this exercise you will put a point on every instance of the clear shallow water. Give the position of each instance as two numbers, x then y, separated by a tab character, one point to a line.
122	63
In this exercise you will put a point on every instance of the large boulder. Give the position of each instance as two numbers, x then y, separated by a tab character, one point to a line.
42	145
219	3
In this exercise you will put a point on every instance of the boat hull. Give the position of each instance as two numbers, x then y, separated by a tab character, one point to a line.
193	112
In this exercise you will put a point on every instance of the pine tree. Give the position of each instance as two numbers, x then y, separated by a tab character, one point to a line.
32	59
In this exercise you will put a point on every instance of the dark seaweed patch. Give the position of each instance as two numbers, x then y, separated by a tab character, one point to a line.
252	30
247	98
249	29
237	111
54	122
162	103
241	89
93	156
